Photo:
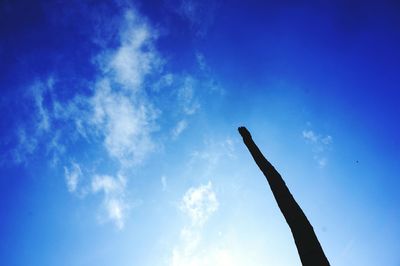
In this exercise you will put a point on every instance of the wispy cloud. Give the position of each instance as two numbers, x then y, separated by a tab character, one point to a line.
125	124
198	203
73	176
179	128
121	113
310	136
200	14
25	147
114	202
28	134
39	90
117	114
186	98
214	151
320	145
117	119
135	58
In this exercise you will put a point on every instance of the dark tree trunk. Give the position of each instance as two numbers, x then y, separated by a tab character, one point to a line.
308	246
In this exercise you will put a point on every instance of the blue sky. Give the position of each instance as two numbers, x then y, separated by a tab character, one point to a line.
119	141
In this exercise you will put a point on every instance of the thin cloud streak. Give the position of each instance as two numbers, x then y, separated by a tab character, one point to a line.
320	145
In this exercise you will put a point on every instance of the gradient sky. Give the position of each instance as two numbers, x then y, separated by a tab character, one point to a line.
119	141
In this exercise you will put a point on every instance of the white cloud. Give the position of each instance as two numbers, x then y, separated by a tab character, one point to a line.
55	147
310	136
207	75
179	128
199	203
326	140
136	57
186	96
28	134
114	111
119	113
165	81
39	90
122	113
125	124
214	152
73	176
190	239
25	147
320	144
114	197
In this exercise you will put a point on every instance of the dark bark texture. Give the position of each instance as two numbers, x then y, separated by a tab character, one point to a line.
308	246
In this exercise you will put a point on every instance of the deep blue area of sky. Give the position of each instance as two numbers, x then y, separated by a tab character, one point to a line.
349	49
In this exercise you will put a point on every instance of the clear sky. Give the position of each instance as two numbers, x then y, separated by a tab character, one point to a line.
119	141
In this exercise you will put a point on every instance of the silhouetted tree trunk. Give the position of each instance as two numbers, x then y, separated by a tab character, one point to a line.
308	246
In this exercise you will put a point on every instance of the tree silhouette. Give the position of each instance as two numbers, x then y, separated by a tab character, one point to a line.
308	246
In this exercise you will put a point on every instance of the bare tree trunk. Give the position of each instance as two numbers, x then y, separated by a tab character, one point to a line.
308	246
